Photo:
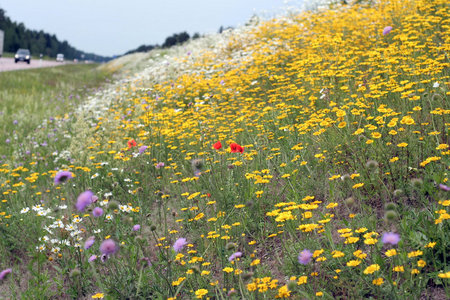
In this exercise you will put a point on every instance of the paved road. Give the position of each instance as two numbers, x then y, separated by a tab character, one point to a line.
7	64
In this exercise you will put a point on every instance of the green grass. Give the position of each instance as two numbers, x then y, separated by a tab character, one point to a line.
8	54
30	96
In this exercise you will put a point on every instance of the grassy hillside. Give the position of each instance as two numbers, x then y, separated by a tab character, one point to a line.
303	157
31	96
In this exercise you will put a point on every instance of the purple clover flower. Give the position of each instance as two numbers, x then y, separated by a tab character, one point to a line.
89	242
5	273
234	256
444	187
390	238
179	244
136	227
387	29
142	149
84	199
62	176
97	212
108	247
305	257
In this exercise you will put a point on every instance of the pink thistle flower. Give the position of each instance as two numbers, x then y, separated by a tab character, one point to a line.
5	273
305	257
390	238
179	244
89	242
104	257
62	176
97	212
387	29
234	256
444	187
142	149
108	247
84	199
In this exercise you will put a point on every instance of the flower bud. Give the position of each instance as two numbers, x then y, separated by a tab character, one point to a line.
113	205
292	285
390	215
350	201
390	206
398	193
371	164
75	273
231	246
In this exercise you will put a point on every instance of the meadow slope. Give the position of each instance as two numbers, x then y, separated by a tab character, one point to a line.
301	157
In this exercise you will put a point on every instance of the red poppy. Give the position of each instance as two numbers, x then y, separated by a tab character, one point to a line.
131	144
236	148
217	145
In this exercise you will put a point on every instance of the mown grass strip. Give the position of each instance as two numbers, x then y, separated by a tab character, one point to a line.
29	96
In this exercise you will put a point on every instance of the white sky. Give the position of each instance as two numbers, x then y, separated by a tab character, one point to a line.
110	27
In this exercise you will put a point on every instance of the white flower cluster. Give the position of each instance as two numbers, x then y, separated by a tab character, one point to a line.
72	229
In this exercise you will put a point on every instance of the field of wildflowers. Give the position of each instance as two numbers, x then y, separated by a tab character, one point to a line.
301	157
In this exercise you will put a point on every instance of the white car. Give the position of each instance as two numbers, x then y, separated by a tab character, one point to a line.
60	57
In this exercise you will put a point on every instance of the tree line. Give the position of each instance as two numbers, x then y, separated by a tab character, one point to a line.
16	36
174	39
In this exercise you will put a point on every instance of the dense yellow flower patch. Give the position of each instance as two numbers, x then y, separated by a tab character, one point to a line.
322	120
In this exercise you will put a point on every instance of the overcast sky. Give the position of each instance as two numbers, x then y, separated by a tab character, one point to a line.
110	27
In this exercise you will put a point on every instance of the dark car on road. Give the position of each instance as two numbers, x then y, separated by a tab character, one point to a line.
22	55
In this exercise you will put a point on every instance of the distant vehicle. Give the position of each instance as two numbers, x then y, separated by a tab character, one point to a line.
1	42
22	55
60	57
